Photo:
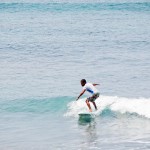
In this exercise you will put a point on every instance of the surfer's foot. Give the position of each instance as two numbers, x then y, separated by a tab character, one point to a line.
90	110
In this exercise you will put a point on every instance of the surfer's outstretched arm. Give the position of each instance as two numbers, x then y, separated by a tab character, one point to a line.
80	94
94	84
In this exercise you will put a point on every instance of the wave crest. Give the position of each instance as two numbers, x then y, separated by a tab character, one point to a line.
112	104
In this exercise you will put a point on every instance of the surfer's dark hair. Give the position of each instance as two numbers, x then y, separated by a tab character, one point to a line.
83	81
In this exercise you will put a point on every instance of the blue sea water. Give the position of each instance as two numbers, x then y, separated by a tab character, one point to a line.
47	47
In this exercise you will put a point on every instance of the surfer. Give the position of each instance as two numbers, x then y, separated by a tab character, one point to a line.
92	90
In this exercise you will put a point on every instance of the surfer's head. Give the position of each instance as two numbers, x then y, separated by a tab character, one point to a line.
83	82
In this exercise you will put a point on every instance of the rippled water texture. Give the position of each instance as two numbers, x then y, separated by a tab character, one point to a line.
47	47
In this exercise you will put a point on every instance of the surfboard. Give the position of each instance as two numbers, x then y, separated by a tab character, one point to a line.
86	117
85	114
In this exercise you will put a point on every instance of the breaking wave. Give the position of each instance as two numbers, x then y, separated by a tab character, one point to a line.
113	104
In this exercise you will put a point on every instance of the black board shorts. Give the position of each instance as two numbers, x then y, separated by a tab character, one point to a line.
93	97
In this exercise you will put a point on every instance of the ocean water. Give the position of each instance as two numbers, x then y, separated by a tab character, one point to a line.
47	47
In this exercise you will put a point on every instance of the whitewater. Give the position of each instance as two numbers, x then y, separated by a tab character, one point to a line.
121	105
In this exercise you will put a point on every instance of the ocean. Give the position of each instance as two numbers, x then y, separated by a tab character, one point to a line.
47	47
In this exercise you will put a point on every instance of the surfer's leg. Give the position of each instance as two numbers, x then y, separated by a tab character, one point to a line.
88	104
94	105
94	97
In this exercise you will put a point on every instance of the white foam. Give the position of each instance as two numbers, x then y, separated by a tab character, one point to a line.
140	106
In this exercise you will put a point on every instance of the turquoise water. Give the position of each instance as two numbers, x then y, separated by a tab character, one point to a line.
47	47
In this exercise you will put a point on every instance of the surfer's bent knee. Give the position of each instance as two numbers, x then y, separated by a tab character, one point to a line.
87	101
